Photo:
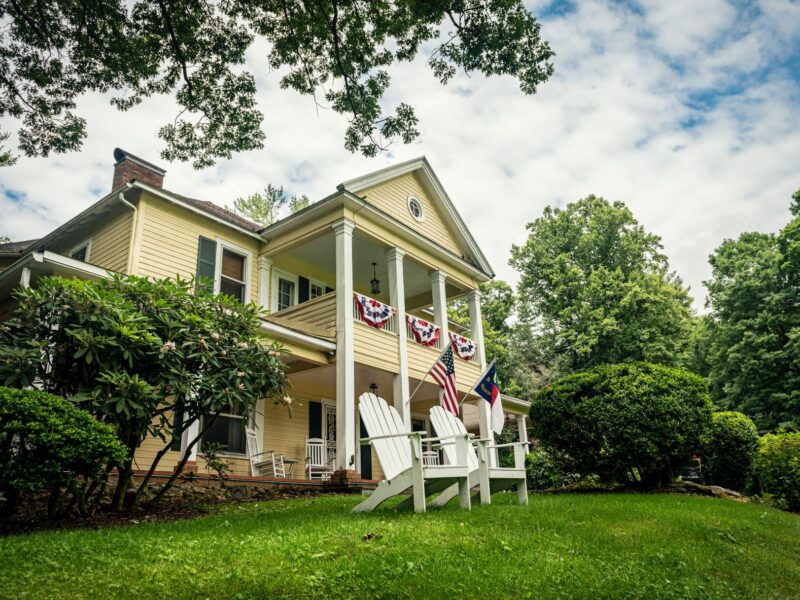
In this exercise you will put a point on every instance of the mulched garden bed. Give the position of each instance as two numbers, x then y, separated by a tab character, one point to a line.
186	501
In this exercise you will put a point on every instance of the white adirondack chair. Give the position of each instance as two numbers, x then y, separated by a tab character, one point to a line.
400	454
490	479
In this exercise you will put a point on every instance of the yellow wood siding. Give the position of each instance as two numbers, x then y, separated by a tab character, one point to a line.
392	198
421	358
169	240
319	312
110	244
304	268
375	348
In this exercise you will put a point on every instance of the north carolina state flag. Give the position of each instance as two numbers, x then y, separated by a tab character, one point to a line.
488	390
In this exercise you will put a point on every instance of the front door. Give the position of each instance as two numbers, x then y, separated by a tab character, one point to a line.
330	431
366	455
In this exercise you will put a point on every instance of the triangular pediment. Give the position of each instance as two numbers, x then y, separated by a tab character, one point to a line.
394	189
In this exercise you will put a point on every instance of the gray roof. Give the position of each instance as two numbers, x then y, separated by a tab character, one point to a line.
16	247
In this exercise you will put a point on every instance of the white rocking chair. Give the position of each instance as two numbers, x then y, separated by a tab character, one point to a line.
400	455
259	466
490	479
317	467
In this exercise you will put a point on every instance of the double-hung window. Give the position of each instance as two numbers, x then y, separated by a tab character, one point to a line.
228	431
315	290
231	279
286	293
222	268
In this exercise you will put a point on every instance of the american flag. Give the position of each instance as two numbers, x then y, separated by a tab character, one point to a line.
444	373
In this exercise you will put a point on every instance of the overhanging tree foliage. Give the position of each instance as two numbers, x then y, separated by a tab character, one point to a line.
336	51
595	288
136	353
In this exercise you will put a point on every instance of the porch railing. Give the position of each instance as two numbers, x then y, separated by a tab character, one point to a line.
390	326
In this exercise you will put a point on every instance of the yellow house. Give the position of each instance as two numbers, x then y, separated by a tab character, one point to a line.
393	236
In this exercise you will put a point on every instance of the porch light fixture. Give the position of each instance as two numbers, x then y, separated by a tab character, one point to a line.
373	388
374	282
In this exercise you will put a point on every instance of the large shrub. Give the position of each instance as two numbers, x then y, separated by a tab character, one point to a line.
777	468
627	422
48	444
547	470
729	447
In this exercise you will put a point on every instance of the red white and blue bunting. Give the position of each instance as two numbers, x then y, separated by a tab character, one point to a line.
465	348
373	312
424	333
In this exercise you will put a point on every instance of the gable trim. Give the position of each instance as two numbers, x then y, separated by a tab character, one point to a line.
440	197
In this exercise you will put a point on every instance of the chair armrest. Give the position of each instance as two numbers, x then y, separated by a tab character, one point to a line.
509	445
389	436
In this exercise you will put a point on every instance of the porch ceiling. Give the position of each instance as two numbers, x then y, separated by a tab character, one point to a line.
321	252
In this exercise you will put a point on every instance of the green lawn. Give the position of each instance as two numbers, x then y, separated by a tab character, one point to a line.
579	546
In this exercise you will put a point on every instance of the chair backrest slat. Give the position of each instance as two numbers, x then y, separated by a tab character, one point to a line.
315	452
446	424
380	419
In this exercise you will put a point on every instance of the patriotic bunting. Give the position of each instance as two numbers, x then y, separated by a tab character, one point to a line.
465	348
425	333
373	312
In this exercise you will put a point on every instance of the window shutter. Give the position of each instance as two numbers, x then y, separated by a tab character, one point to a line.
315	419
206	263
303	290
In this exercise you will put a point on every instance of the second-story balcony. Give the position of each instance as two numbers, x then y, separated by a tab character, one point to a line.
375	344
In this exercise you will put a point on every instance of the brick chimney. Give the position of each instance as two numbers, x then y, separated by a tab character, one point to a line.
129	167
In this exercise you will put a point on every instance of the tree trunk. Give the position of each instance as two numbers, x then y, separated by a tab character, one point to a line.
124	481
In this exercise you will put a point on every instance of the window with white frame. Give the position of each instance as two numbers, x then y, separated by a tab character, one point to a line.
232	275
81	251
284	290
315	290
228	430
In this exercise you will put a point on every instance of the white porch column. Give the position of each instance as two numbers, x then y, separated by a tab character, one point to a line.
258	424
476	323
397	298
345	358
25	277
476	332
188	435
438	280
264	279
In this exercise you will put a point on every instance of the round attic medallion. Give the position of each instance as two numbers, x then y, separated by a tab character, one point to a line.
415	208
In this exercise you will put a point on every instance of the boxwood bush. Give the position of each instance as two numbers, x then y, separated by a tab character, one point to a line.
632	422
777	469
48	444
730	446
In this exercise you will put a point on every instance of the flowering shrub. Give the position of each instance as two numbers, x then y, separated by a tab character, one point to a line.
135	352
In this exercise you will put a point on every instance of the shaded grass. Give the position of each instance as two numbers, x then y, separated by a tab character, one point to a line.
570	546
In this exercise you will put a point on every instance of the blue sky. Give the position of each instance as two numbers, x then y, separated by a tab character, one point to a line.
689	112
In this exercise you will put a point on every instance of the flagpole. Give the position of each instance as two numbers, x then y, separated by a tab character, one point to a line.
421	381
482	375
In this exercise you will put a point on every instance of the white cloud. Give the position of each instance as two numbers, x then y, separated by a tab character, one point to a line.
612	121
